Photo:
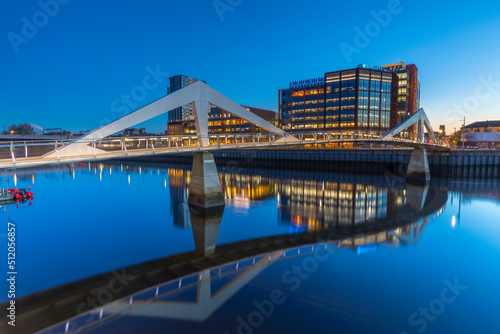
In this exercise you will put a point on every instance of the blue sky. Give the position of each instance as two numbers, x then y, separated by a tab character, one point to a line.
79	61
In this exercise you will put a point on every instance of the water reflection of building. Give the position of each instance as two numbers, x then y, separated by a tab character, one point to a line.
239	189
316	204
178	180
306	204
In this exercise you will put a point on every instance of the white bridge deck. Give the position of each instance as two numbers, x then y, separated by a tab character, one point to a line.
111	148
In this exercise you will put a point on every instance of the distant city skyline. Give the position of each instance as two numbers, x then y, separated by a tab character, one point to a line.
79	65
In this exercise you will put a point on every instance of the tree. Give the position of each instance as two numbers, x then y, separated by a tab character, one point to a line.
23	128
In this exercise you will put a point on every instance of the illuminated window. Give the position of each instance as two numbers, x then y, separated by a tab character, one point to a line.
375	85
363	100
374	100
363	84
363	118
374	118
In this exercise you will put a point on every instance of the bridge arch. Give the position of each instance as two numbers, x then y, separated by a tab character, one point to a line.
199	92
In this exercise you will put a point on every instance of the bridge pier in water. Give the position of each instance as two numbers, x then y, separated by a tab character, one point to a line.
205	190
418	168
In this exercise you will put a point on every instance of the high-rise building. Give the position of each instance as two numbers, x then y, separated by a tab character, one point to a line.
185	112
408	90
363	98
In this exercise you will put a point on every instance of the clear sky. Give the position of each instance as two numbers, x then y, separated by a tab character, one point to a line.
70	69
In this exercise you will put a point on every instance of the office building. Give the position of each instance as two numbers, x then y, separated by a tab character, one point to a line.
185	112
363	98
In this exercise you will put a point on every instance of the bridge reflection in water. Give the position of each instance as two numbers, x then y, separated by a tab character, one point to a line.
365	217
325	212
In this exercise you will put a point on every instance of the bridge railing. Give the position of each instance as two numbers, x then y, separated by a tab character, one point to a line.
228	139
155	144
17	149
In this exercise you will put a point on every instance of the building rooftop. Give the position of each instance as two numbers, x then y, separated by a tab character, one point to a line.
483	124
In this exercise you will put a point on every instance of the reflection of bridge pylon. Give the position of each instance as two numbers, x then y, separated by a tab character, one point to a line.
206	225
417	194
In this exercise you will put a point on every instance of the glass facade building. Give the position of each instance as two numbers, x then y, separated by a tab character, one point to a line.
363	98
185	112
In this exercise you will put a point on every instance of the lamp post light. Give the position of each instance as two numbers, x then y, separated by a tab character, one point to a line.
455	136
463	134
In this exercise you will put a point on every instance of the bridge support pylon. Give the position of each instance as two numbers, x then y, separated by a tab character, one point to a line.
205	190
418	168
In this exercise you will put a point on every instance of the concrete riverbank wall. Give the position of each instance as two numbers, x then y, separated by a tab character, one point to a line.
460	164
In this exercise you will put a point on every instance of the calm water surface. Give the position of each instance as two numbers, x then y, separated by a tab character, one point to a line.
437	271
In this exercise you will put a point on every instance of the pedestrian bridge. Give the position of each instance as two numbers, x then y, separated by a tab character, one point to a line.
101	144
21	154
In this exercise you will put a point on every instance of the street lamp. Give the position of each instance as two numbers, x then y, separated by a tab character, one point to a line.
455	136
463	134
